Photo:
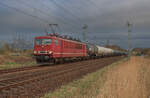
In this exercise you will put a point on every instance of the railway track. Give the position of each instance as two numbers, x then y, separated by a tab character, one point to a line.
17	69
38	66
37	82
14	82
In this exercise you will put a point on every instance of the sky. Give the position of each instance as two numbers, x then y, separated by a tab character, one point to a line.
106	20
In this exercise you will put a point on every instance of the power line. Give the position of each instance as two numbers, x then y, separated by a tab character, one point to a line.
39	10
94	5
76	10
62	15
23	12
62	7
48	7
84	4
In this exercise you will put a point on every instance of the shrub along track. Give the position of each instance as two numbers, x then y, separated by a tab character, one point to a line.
36	82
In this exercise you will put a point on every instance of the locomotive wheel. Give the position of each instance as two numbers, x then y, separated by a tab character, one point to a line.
56	61
38	61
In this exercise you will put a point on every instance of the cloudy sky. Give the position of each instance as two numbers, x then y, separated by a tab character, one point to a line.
106	19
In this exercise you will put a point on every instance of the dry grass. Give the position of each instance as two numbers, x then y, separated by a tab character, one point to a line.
87	87
129	80
147	82
10	59
144	75
10	65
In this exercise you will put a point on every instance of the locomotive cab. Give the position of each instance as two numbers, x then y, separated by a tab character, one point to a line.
43	48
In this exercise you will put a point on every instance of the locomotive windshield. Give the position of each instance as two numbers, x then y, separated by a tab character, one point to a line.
43	41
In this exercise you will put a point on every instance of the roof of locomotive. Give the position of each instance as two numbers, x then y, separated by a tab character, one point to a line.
42	37
38	37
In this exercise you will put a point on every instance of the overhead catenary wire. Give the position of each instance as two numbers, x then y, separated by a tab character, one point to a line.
23	12
56	3
77	10
28	14
73	23
84	3
62	16
47	14
92	3
40	11
66	10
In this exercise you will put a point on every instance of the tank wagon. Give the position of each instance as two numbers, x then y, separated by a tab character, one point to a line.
99	51
54	49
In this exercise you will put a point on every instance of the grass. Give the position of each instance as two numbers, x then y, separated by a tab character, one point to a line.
148	82
10	65
2	51
87	87
14	59
145	73
148	56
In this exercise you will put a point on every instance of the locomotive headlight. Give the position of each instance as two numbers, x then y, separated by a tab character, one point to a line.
35	52
50	52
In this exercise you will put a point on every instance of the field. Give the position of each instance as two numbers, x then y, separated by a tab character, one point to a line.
11	59
124	79
128	80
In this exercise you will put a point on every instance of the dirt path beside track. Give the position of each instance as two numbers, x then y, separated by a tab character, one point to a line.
130	79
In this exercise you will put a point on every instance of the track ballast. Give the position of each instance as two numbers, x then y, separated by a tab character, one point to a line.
36	82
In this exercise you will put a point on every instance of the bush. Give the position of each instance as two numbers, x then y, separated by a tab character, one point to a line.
4	48
2	51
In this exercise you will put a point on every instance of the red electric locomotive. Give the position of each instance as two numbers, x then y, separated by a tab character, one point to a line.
53	48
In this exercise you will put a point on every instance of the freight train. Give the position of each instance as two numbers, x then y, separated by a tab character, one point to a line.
54	48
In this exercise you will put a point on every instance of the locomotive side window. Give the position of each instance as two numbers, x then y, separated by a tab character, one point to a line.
38	42
61	43
43	41
47	41
56	42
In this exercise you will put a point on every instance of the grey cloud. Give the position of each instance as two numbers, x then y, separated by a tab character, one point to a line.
106	19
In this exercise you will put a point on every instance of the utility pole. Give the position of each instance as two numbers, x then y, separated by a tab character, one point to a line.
84	31
107	43
129	44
